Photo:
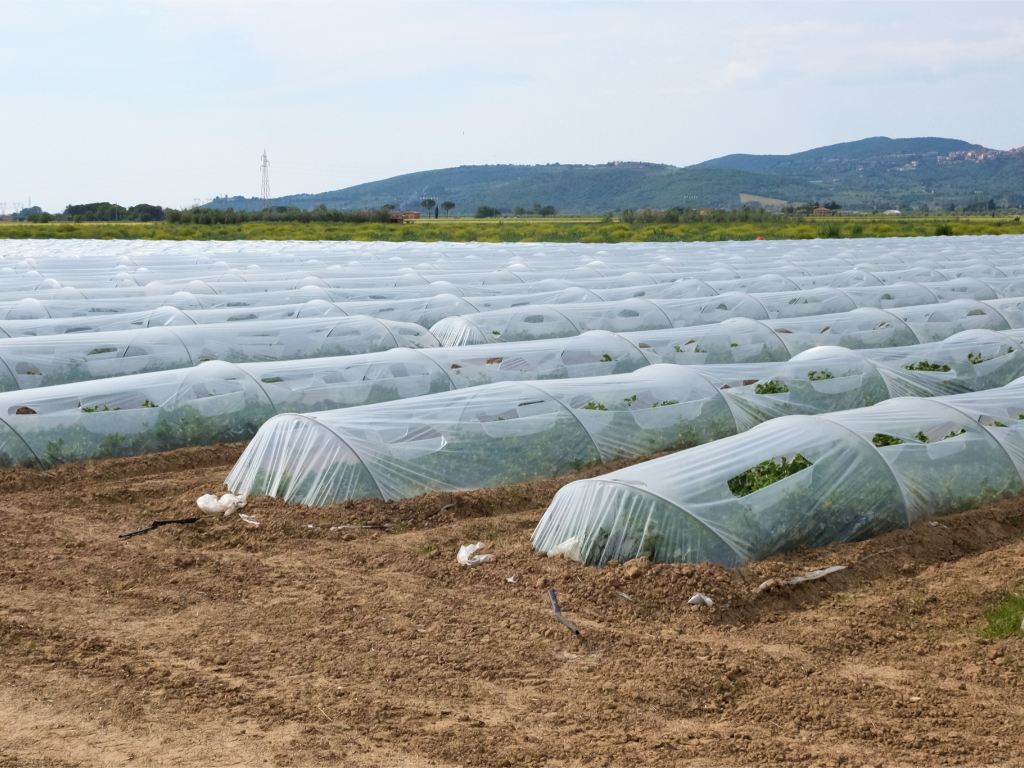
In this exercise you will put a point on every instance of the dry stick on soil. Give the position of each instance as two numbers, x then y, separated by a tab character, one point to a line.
558	612
876	554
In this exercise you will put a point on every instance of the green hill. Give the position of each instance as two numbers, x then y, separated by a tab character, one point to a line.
815	161
872	173
576	188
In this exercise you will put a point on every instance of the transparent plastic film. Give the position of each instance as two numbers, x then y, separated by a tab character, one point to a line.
944	461
159	412
472	438
859	329
822	380
659	408
738	340
965	362
595	353
297	459
788	483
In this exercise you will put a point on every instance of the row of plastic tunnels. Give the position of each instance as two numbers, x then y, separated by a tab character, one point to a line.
805	392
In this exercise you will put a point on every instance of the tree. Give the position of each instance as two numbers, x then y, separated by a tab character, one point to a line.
487	212
518	211
140	212
428	203
447	205
387	207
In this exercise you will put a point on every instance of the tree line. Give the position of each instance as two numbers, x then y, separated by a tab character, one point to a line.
93	212
543	211
143	212
320	214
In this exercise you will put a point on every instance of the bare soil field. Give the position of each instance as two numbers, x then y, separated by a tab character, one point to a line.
224	643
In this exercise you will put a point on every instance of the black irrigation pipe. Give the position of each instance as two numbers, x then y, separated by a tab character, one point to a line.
558	611
157	524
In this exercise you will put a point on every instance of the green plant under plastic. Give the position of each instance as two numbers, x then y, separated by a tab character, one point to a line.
178	428
771	387
924	365
880	440
766	473
976	358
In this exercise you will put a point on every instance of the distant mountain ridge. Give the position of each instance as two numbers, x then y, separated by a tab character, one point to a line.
876	147
877	172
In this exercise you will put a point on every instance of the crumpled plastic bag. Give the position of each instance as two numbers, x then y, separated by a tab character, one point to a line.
227	503
570	548
699	599
466	556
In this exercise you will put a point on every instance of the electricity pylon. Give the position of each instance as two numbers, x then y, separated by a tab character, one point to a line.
265	188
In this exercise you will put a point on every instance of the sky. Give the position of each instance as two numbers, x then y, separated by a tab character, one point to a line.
170	102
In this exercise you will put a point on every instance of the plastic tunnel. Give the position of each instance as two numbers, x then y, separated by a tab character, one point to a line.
658	408
30	362
796	481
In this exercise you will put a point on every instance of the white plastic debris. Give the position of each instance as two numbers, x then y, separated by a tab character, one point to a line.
570	548
699	599
467	557
812	575
626	596
248	519
511	579
226	504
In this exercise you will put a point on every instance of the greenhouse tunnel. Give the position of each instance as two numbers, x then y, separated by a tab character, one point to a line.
30	362
619	413
552	321
798	481
49	360
753	391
